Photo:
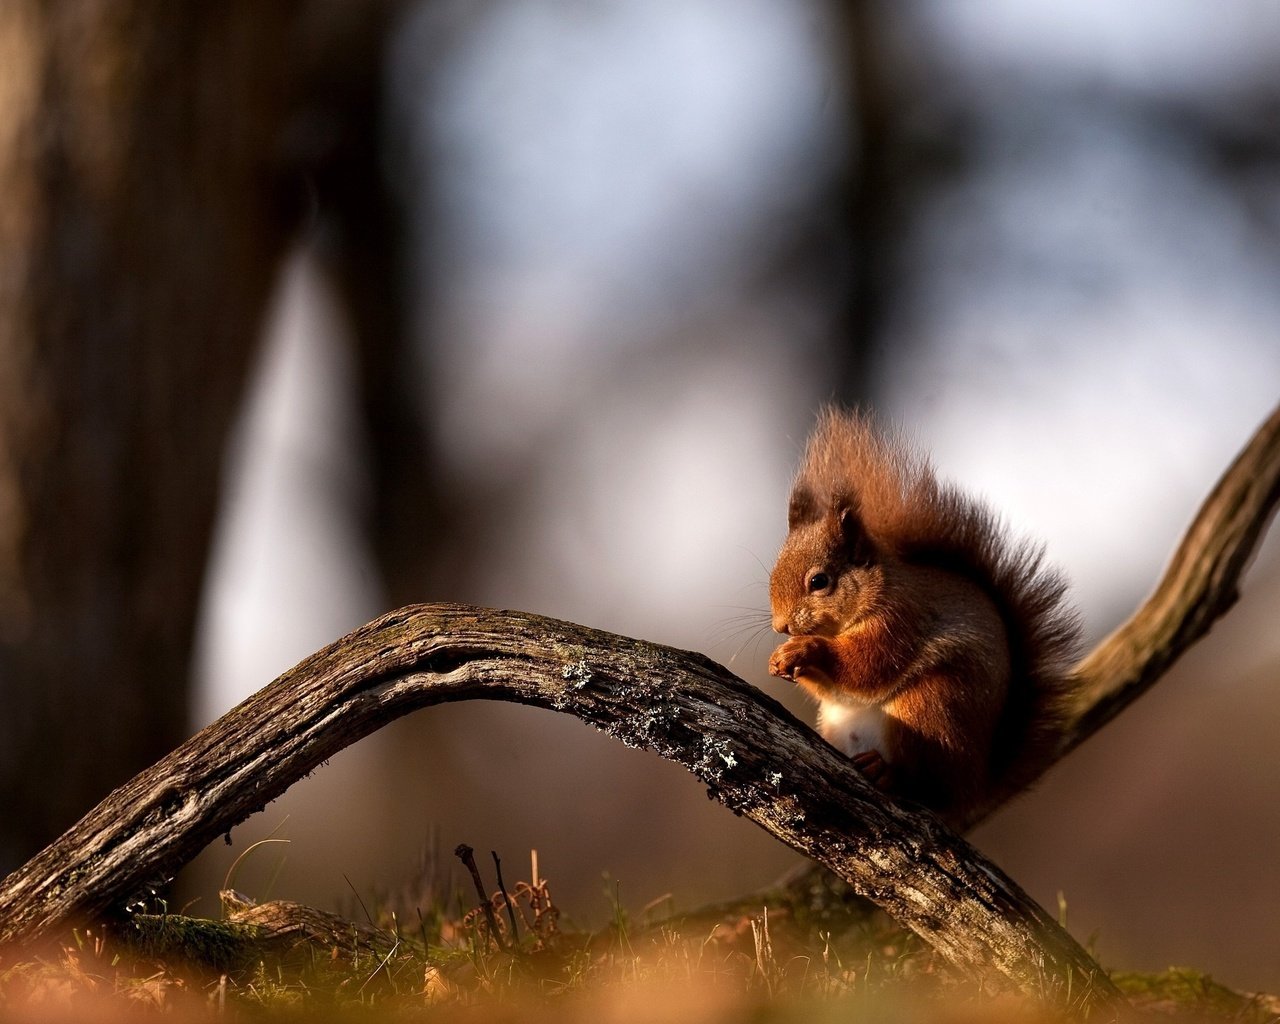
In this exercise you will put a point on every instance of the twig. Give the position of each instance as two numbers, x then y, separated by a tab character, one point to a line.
502	888
354	892
468	857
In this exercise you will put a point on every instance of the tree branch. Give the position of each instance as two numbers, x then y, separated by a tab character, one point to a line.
1199	586
753	755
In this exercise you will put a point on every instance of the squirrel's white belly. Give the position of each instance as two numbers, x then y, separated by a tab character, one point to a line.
852	729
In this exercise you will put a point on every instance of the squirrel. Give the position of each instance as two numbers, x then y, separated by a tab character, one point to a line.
936	646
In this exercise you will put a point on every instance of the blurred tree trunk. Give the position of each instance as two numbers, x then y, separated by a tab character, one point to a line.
905	142
364	247
143	212
869	195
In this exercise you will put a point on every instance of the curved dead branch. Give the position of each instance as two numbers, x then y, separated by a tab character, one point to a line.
753	755
1199	586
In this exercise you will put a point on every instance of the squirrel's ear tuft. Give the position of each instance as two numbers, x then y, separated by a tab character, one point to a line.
803	508
857	545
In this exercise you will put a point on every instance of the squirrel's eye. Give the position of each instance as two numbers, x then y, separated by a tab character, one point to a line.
818	581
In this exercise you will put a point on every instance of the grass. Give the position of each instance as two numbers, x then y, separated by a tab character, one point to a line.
803	959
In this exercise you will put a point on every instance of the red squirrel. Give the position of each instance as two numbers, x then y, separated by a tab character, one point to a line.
937	647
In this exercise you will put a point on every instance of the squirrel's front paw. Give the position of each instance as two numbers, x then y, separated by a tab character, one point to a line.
805	659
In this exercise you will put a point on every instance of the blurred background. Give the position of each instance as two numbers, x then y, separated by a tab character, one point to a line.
316	308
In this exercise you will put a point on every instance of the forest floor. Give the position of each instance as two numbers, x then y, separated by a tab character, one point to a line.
814	956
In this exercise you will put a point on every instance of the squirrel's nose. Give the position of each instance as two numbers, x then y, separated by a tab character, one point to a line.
780	625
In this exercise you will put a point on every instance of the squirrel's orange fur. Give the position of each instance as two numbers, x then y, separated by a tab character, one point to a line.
936	647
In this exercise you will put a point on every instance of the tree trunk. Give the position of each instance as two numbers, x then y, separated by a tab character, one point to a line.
143	217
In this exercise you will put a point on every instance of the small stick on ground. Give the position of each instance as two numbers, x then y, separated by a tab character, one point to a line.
502	887
468	857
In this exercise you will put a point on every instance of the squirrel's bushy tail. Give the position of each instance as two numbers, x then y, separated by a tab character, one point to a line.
905	509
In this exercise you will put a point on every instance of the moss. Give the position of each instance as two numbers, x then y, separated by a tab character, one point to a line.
1184	989
214	945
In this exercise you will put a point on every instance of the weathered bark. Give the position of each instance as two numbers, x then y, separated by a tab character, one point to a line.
754	756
